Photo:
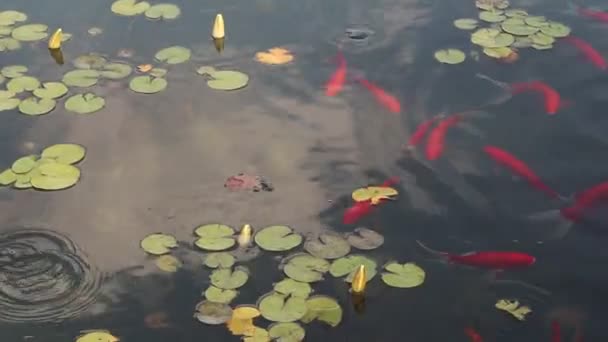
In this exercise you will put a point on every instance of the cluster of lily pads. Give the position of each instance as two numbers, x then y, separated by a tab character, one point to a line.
13	31
291	299
53	169
130	8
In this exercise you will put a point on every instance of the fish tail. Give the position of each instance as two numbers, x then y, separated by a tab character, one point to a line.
440	254
551	224
506	96
491	80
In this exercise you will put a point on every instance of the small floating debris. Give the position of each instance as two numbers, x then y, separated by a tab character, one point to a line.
375	194
95	31
244	181
358	33
514	308
274	55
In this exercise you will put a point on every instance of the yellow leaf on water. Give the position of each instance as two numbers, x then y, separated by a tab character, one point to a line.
274	56
374	193
240	326
513	308
257	335
245	312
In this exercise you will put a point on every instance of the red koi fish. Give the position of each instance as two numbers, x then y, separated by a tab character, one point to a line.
473	335
391	181
387	100
357	211
518	167
336	81
584	201
556	332
590	53
592	14
420	132
490	259
436	140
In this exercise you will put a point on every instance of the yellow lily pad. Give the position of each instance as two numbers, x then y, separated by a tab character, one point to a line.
168	263
245	312
158	244
373	193
97	336
55	176
24	164
324	309
403	275
64	153
513	307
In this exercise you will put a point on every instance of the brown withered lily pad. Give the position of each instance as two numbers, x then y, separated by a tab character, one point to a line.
244	181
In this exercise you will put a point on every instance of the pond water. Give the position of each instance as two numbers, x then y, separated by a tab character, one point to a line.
71	261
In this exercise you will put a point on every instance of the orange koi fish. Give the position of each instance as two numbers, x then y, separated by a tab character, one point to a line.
487	259
556	332
436	140
473	334
420	132
335	84
387	100
590	53
357	211
592	14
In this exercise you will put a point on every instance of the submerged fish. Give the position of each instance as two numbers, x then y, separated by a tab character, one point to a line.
590	53
473	334
420	132
357	211
436	140
593	14
556	333
385	99
335	84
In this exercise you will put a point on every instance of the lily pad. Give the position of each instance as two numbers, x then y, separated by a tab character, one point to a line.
81	78
35	106
224	79
173	55
516	13
501	52
221	260
348	265
163	11
281	308
158	244
286	332
168	263
51	90
518	29
536	21
542	47
542	39
450	56
466	23
9	103
277	238
64	153
293	288
305	268
492	16
158	72
147	84
30	32
7	177
245	312
116	71
257	335
13	71
373	193
55	176
9	44
228	279
403	275
218	295
522	42
556	30
328	246
214	237
213	313
84	103
324	309
89	61
129	7
24	164
23	182
491	38
8	18
515	21
22	83
365	239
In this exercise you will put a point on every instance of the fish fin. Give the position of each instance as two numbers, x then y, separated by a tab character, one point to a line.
436	253
506	96
551	223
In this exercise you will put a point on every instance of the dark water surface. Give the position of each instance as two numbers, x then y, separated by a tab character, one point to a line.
157	163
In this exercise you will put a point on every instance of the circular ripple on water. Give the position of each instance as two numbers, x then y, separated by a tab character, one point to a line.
44	277
354	38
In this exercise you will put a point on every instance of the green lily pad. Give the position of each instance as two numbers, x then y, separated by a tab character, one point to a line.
173	55
116	71
24	83
7	177
492	16
536	21
324	309
8	18
5	31
228	279
51	90
225	79
501	52
214	237
348	265
221	260
518	29
213	313
158	243
147	84
466	23
484	6
516	13
23	182
542	39
286	332
365	239
158	72
9	103
305	268
13	71
5	94
30	32
55	176
24	164
515	21
64	153
491	38
293	288
35	106
129	7
522	42
556	30
89	61
9	44
328	246
81	78
84	103
542	47
277	238
450	56
502	4
218	295
276	307
163	11
403	275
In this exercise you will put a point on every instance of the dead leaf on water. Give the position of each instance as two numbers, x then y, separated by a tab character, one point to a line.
274	56
513	307
144	67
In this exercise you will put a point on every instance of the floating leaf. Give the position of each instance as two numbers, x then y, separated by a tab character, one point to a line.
328	246
30	32
305	268
228	279
324	309
501	52
8	18
516	13
240	326
492	16
277	238
173	55
365	239
225	79
522	42
257	335
116	71
64	153
403	275
513	308
22	83
81	78
286	332
542	39
214	237
9	44
542	47
35	106
8	103
277	307
168	263
97	336
245	312
158	244
144	68
491	38
51	90
274	56
556	30
14	71
129	7
5	30
7	177
89	61
55	176
293	288
536	21
158	72
213	313
450	56
84	103
24	164
163	11
378	193
23	182
221	260
218	295
518	29
466	23
147	84
349	265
